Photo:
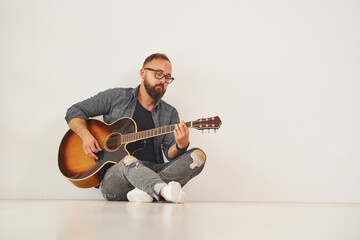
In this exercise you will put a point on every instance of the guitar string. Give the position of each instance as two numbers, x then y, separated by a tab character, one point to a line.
132	137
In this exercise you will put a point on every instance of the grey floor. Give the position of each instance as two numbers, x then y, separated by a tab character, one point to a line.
98	219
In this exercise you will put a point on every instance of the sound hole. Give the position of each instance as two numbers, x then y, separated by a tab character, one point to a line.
113	141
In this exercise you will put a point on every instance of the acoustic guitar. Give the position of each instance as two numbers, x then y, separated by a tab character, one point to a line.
116	140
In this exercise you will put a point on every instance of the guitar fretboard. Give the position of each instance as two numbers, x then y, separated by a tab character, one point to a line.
132	137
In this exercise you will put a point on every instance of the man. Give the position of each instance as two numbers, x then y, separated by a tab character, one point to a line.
143	176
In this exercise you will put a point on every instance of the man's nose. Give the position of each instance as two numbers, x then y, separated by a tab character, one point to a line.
162	80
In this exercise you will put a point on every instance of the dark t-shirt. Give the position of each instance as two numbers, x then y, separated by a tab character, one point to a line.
144	121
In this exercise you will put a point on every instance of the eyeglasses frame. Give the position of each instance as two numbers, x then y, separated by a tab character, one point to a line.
156	71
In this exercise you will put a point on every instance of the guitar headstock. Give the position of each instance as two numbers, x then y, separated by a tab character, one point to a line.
207	123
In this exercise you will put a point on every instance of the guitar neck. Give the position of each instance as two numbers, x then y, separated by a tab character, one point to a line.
133	137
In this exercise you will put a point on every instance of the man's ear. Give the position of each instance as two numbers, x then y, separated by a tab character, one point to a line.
142	73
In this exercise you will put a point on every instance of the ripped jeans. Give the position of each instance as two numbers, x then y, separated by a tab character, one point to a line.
150	177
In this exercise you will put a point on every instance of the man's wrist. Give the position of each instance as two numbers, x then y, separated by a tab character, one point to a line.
182	149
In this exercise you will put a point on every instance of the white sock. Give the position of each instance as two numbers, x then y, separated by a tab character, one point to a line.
137	195
173	193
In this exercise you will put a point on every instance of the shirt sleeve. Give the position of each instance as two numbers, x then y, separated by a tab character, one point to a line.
169	139
100	104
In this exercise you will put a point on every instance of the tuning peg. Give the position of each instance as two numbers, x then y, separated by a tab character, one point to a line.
214	130
202	131
209	130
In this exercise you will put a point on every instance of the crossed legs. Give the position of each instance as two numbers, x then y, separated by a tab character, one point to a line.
151	178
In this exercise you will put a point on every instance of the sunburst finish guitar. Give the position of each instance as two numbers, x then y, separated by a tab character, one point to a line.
116	141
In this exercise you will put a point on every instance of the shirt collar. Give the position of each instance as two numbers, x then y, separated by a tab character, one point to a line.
135	92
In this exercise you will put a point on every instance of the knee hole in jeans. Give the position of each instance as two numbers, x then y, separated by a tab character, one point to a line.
198	158
129	160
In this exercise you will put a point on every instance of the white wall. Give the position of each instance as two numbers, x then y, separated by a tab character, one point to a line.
282	75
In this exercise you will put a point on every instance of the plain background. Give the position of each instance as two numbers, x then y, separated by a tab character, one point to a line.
282	75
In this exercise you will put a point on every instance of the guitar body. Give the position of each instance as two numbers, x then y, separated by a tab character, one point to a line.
84	171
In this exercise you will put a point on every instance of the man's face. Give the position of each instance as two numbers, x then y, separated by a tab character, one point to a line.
154	87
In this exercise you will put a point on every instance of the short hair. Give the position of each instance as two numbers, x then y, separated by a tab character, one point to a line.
155	56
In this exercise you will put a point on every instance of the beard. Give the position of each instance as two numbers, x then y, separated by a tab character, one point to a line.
154	91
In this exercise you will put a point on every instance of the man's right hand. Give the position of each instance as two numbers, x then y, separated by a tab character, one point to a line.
90	146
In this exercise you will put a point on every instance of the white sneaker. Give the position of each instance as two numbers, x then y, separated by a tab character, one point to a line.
137	195
173	193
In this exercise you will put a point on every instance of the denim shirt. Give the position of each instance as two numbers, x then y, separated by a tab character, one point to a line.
117	103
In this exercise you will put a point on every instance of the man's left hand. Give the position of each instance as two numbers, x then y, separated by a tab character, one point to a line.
181	134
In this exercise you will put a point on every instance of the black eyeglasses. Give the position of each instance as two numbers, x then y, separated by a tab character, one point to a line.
159	75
